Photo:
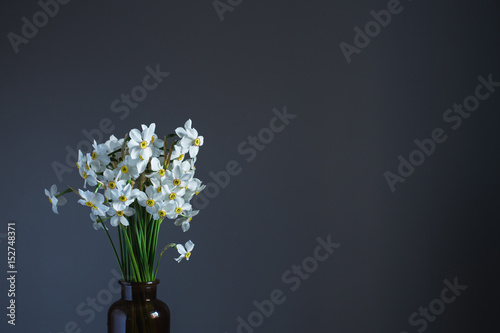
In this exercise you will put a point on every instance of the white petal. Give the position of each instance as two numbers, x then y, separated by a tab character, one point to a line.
189	246
135	135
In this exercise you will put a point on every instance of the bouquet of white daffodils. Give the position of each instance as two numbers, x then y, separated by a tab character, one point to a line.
142	182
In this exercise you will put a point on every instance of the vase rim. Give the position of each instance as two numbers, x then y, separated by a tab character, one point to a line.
129	283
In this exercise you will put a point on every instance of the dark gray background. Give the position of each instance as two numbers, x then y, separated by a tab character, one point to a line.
323	175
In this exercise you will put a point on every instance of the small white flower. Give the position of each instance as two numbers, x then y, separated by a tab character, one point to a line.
157	167
124	194
176	207
128	169
97	224
151	198
94	201
178	153
118	211
185	252
53	199
185	220
189	138
139	143
113	144
177	177
194	188
99	158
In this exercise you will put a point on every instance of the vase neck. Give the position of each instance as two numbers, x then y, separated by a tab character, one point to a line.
132	291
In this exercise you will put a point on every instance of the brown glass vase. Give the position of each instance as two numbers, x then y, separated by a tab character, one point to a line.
139	311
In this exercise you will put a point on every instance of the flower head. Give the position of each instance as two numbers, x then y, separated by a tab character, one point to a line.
185	252
53	198
94	201
189	138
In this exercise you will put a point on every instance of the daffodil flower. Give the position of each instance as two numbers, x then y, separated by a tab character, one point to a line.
94	201
139	143
194	188
98	224
185	220
156	144
151	198
157	168
99	157
178	153
159	210
176	177
113	144
176	207
118	213
185	252
128	169
125	194
189	138
53	199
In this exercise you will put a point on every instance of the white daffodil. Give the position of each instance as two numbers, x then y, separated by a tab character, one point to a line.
139	144
98	224
159	210
185	252
128	169
113	144
99	158
185	165
156	144
161	186
194	188
118	213
185	220
189	138
94	201
151	198
177	177
109	180
125	194
52	193
82	162
89	175
157	167
176	207
178	153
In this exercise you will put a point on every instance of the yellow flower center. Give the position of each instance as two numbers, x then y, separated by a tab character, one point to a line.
112	185
153	139
189	220
94	155
77	165
90	204
84	175
119	213
177	182
172	196
159	189
144	144
181	156
188	254
150	202
50	200
122	198
197	142
178	210
124	169
161	172
162	213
